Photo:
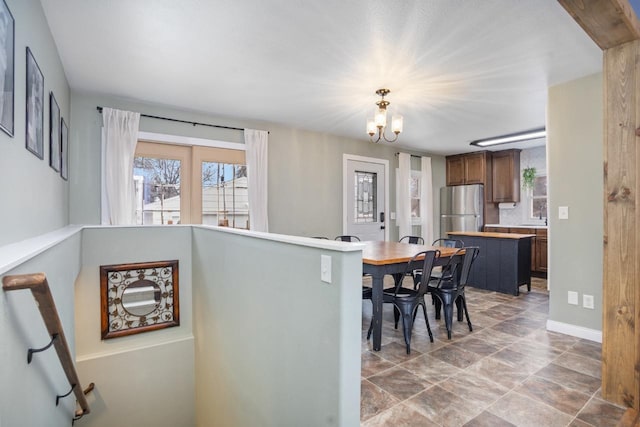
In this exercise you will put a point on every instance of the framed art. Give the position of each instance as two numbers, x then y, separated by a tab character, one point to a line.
35	107
139	297
64	150
7	56
54	133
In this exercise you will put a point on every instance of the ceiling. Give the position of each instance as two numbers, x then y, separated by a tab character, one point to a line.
458	70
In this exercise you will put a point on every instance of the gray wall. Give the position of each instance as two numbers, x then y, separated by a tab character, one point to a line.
34	196
27	392
275	346
575	141
305	168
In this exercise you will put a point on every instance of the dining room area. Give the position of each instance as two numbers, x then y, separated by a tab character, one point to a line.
496	364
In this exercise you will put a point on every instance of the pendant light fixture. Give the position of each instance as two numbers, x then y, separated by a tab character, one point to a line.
378	124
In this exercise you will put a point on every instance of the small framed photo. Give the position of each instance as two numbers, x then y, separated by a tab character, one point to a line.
64	150
55	134
7	81
138	297
35	107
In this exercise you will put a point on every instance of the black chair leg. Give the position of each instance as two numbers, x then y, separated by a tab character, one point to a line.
447	304
424	310
438	304
396	316
370	329
466	313
459	308
407	326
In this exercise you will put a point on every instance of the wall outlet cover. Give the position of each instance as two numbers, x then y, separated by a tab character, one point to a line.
588	301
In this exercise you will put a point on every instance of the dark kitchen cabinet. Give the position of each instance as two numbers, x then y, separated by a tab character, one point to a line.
506	176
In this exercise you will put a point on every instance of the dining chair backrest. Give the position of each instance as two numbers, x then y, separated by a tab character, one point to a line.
348	238
448	243
414	240
426	266
470	255
456	270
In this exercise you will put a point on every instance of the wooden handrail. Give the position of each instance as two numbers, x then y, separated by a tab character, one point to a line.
39	287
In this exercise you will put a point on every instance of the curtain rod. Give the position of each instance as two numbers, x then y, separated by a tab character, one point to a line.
183	121
412	155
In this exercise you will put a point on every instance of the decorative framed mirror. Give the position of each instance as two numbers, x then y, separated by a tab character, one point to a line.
138	297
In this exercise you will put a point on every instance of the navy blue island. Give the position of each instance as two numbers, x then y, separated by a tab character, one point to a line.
504	263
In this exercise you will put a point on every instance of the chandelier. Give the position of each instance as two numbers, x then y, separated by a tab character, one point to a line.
379	123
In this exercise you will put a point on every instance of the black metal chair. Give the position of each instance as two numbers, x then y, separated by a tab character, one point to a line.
348	238
448	289
406	300
414	240
437	272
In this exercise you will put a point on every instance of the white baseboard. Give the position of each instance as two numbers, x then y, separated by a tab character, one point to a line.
574	330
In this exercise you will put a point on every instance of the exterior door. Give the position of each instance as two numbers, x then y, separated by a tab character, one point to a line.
365	204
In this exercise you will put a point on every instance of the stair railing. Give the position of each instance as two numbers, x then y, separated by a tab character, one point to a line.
39	287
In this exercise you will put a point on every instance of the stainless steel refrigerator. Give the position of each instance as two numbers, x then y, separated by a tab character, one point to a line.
461	208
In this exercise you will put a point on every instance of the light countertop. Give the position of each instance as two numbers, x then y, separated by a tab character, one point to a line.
491	235
541	226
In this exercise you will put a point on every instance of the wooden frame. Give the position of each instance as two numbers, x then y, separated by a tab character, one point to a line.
138	297
7	86
54	133
34	132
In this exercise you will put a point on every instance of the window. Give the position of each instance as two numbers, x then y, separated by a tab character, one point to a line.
539	197
178	184
415	186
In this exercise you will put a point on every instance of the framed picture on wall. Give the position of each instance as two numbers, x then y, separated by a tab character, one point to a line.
55	133
35	107
64	150
7	46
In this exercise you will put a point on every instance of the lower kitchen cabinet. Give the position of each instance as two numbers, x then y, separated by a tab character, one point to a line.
538	244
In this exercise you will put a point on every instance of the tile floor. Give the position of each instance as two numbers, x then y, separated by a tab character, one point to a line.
508	372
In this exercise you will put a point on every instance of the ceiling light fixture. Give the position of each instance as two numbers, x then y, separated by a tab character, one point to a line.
380	120
514	137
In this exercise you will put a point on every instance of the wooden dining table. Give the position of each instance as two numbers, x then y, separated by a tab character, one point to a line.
382	258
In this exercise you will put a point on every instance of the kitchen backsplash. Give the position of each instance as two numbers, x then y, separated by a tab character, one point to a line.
521	213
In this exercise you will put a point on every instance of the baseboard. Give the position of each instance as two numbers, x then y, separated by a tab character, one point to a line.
574	330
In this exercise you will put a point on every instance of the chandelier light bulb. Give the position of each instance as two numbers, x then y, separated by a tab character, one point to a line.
379	122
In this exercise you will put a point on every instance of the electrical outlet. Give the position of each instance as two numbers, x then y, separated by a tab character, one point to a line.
325	268
572	298
587	301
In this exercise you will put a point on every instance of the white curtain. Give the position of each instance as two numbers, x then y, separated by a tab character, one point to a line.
119	139
256	142
404	195
426	201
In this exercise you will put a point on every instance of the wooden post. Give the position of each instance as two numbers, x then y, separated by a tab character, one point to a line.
613	25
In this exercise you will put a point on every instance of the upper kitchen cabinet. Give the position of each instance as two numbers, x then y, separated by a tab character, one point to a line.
473	168
506	176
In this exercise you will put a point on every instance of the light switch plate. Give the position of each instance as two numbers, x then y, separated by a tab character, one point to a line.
392	215
563	212
325	268
572	298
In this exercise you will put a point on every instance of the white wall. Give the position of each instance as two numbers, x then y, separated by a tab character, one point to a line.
575	159
34	198
305	168
141	379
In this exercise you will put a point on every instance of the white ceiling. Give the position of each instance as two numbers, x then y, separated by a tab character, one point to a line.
458	70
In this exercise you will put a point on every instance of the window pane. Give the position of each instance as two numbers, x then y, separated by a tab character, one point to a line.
365	203
540	186
539	208
157	192
225	200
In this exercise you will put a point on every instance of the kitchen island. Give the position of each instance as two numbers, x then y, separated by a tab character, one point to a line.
504	263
